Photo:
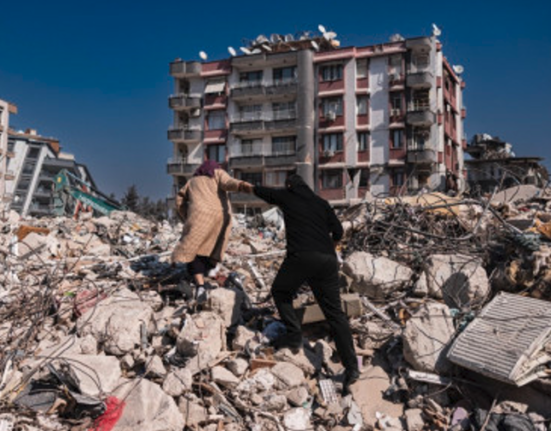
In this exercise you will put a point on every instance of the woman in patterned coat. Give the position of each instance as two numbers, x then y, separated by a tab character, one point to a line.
203	206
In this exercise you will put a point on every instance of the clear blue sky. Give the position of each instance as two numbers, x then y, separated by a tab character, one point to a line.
95	73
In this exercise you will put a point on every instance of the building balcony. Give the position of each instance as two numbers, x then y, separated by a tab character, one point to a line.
184	135
42	192
421	156
419	43
420	116
261	89
420	79
184	69
183	102
254	122
180	167
259	154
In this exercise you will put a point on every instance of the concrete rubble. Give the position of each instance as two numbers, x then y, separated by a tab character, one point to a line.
98	329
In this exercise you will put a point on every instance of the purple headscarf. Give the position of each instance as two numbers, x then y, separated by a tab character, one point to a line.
207	169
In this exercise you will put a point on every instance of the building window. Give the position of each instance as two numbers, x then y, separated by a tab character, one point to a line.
361	68
331	179
420	137
216	153
396	103
276	178
421	60
284	74
397	178
331	106
255	178
332	72
363	141
283	145
251	147
395	68
28	168
397	138
364	178
332	142
216	120
33	153
284	110
11	146
250	112
361	105
253	78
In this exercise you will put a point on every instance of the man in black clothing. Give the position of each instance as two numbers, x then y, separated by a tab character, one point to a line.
312	230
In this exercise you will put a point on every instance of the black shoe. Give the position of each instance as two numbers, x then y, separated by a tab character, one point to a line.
285	343
350	377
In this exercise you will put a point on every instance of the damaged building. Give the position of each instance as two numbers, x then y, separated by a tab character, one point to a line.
30	164
385	118
493	163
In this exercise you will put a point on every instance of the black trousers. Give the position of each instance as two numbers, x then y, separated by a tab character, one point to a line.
320	271
200	265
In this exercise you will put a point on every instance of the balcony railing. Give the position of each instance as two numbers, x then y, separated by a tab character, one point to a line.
245	117
264	87
182	68
254	149
180	166
180	102
420	79
183	134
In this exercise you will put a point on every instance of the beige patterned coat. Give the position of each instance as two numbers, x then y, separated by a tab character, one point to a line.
204	207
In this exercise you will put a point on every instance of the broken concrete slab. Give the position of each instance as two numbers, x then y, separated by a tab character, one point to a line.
147	408
427	336
238	366
227	303
414	419
516	194
351	304
288	374
224	377
192	411
177	382
116	321
298	396
368	393
375	276
242	336
460	280
201	339
297	419
155	368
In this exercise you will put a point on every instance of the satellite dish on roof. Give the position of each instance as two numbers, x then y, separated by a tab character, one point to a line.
261	39
305	35
267	47
289	38
435	30
321	28
203	55
275	38
330	35
458	69
314	45
256	51
245	51
232	51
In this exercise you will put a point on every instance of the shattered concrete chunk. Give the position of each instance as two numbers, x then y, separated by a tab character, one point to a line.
224	377
368	393
289	374
414	419
242	336
297	419
148	408
177	382
298	396
274	402
115	322
201	340
427	336
155	367
460	280
192	412
226	303
375	276
238	366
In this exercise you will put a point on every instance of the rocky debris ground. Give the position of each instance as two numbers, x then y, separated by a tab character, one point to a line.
99	330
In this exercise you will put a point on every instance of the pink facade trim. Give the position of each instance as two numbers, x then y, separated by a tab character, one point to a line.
397	153
331	86
362	83
363	156
215	135
216	68
362	120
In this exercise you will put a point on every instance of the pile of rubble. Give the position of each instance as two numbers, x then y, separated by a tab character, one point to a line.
447	299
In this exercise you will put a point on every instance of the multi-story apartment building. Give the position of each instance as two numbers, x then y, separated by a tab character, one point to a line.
33	166
6	109
386	118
